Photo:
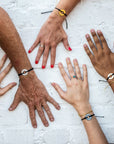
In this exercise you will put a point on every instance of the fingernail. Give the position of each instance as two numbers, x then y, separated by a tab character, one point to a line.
10	108
46	124
92	30
87	35
99	31
52	66
43	67
52	119
68	58
14	84
85	45
69	49
60	64
29	51
36	62
35	126
59	107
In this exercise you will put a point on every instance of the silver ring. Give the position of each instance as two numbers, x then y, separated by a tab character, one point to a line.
41	45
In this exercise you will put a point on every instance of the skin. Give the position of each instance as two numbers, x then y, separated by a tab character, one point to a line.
3	74
102	57
52	33
31	90
77	94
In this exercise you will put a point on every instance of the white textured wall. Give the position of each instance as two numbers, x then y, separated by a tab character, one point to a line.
15	127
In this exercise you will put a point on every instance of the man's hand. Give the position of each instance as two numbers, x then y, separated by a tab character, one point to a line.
77	93
102	57
50	35
3	74
32	92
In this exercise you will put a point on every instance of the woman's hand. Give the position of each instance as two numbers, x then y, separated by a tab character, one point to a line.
50	35
3	74
32	92
77	93
102	58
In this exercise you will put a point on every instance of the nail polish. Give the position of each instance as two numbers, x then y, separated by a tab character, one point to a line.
36	62
69	49
92	30
52	66
29	51
43	67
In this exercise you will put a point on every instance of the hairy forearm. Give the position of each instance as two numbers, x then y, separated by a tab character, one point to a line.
12	44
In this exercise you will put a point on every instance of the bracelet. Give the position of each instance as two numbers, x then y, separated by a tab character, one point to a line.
110	76
25	72
61	12
86	113
88	117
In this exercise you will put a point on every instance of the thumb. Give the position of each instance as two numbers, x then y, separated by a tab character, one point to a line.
66	44
15	103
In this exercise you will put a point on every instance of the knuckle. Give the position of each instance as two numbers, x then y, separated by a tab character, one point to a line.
53	45
47	42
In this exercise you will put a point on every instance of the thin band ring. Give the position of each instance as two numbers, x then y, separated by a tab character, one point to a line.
41	45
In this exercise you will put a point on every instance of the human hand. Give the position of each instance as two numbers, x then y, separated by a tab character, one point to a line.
32	92
102	57
50	35
3	74
77	93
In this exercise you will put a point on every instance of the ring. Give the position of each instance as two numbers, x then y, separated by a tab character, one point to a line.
41	45
74	76
80	78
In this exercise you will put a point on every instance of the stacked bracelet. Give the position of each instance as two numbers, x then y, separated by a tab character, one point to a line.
25	71
61	12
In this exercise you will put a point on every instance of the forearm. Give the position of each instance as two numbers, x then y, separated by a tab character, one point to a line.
12	44
111	83
94	132
65	5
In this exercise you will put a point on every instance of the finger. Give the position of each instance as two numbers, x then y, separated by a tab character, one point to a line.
103	40
39	54
42	116
76	65
5	71
7	88
92	58
16	101
32	116
48	111
64	75
96	40
66	44
59	90
85	74
53	102
37	41
2	61
53	55
45	56
91	44
70	68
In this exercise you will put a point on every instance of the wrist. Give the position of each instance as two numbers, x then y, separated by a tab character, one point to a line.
82	109
56	18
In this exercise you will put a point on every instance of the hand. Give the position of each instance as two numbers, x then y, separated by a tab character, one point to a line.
32	92
77	93
102	57
3	74
50	35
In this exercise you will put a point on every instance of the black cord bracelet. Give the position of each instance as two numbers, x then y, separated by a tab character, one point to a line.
110	76
24	71
61	11
88	117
